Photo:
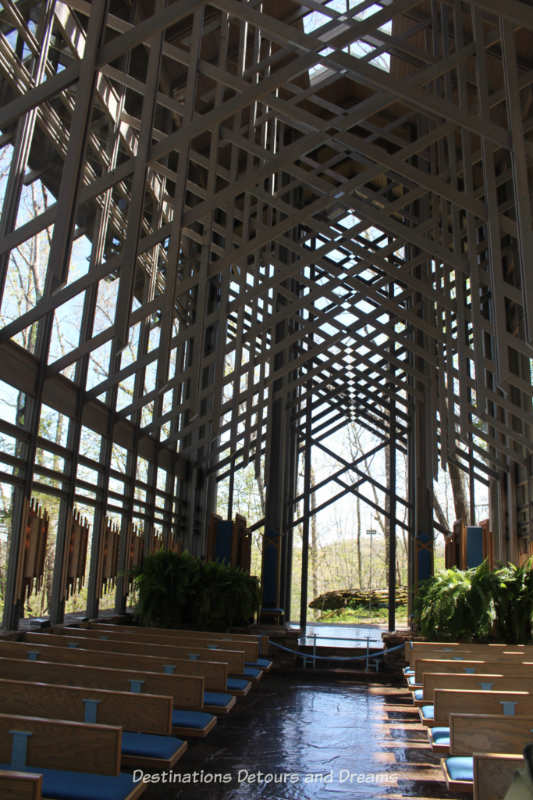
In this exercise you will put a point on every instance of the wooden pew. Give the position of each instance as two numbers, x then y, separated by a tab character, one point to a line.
481	733
187	691
219	685
168	636
165	636
471	652
146	719
480	681
493	774
414	650
233	658
218	698
260	638
472	701
232	652
513	664
65	753
20	785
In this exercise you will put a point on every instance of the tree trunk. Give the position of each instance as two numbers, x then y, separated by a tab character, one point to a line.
460	502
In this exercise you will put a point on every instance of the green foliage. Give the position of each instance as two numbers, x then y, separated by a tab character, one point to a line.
477	604
179	590
512	594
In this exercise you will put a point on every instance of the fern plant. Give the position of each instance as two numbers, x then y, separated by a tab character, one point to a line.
512	593
477	604
177	590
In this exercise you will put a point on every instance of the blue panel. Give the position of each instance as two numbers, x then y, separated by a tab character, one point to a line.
474	546
19	748
170	669
136	686
224	538
270	574
91	710
424	557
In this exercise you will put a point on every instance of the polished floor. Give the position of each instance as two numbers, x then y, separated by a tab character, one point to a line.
292	739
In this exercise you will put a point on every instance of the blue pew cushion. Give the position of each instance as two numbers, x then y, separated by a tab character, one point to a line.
262	663
440	735
69	785
252	672
149	745
191	719
460	768
217	699
428	712
418	694
408	671
238	684
410	679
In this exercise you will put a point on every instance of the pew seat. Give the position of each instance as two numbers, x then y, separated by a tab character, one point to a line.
152	747
255	673
218	702
459	772
427	714
263	663
439	737
196	724
475	734
238	686
69	785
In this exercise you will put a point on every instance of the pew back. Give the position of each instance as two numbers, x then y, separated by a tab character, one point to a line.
20	785
511	665
489	733
187	692
60	744
482	682
493	774
145	713
260	639
450	701
110	654
232	654
414	650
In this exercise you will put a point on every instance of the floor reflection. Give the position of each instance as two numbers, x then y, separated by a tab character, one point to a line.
300	740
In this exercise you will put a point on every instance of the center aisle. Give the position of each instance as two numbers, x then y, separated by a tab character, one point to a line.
307	740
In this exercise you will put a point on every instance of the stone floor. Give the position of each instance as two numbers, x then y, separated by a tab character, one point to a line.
299	739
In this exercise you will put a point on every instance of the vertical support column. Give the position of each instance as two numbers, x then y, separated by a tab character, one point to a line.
423	490
307	507
392	506
271	562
